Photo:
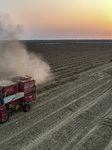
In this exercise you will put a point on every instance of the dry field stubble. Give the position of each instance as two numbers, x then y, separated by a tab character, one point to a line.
74	111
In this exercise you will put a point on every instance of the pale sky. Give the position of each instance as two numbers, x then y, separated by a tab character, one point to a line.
61	19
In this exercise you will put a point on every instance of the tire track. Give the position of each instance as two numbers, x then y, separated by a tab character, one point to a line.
67	107
22	114
45	102
62	91
71	93
66	122
47	117
84	129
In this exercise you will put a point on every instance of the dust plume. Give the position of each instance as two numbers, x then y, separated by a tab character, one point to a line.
15	60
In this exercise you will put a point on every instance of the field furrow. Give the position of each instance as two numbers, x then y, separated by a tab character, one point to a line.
74	110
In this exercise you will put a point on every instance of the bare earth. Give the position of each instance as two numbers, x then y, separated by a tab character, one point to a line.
72	112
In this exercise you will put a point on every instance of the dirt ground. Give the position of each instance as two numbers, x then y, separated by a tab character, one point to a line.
72	112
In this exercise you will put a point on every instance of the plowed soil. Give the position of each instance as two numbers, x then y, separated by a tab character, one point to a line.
74	110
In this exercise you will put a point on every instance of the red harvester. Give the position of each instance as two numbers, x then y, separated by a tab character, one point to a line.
14	94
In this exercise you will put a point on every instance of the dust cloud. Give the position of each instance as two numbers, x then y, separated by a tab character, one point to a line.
15	60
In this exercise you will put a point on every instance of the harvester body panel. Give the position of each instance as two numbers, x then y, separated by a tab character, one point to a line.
13	97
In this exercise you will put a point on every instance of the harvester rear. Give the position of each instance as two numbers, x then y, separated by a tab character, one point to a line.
16	93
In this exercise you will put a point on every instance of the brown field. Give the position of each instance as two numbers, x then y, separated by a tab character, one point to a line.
72	112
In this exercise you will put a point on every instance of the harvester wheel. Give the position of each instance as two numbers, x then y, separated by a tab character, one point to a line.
4	120
26	107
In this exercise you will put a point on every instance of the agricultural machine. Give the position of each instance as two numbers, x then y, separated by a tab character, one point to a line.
15	93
